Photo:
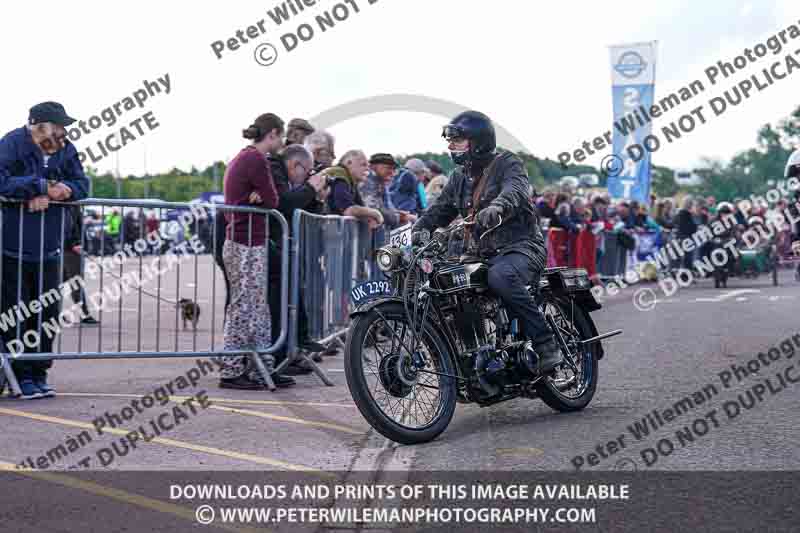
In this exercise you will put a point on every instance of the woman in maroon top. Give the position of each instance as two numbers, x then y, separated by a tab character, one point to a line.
248	181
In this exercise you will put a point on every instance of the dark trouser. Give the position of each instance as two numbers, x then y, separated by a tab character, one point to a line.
276	304
688	257
688	260
508	276
72	268
705	251
29	290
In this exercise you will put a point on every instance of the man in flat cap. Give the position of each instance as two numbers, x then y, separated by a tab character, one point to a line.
375	191
37	165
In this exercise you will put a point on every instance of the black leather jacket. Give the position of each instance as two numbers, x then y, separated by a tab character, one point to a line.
507	188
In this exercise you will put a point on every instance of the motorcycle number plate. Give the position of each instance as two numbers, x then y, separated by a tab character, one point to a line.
368	290
460	278
400	237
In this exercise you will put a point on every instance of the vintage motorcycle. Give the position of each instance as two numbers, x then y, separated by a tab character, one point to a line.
432	335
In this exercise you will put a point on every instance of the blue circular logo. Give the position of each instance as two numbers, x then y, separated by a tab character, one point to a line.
630	64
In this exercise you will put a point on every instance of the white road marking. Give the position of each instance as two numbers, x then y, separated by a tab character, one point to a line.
728	295
731	294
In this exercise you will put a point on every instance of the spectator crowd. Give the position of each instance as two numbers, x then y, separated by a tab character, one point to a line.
588	230
295	166
290	167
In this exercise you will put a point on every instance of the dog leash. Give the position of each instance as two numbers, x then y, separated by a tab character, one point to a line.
157	297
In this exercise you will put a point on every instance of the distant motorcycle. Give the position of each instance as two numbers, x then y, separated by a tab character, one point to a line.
432	335
750	263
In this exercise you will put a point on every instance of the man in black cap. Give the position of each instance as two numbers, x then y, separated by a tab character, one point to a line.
37	165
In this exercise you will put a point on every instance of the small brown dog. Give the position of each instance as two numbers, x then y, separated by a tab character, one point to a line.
190	312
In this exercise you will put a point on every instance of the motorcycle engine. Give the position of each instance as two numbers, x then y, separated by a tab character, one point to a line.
479	319
474	321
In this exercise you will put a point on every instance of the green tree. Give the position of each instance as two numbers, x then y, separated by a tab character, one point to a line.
662	181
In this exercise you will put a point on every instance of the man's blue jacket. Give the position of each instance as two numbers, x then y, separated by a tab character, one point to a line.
23	176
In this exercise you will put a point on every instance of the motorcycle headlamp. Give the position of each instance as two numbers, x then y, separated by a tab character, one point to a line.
387	258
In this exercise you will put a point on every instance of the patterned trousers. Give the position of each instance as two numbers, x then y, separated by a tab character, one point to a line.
247	322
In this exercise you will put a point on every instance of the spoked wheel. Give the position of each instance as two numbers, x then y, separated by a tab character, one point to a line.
405	394
572	386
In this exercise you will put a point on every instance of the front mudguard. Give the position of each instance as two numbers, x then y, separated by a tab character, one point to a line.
366	307
378	302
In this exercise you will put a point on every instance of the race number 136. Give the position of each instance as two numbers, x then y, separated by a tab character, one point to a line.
400	237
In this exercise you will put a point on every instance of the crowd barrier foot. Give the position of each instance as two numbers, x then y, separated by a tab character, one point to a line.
262	369
337	341
7	377
302	356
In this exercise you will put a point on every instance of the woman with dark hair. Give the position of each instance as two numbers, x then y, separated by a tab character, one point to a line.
248	181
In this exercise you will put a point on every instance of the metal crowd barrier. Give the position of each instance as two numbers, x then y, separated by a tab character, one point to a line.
613	259
330	254
146	330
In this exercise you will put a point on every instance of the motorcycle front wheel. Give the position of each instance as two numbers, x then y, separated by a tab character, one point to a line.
408	395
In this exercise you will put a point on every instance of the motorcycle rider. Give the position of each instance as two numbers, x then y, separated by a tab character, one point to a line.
494	184
793	165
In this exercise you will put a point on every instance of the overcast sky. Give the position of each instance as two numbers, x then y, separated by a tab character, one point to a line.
540	69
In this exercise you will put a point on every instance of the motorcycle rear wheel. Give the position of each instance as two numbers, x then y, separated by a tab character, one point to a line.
567	390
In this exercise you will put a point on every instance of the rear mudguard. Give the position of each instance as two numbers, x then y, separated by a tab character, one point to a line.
586	303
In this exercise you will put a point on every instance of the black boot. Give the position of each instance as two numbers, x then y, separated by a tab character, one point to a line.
240	383
550	355
282	381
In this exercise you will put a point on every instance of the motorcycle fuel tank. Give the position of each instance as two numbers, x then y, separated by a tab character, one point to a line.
459	277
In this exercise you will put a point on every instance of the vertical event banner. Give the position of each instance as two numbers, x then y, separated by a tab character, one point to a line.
633	75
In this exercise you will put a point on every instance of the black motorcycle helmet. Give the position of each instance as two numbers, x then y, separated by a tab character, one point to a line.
477	128
793	165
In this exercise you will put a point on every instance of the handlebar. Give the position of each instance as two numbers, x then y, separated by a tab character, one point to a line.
444	234
487	232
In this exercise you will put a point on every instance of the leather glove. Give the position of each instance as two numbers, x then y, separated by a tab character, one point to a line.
490	217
